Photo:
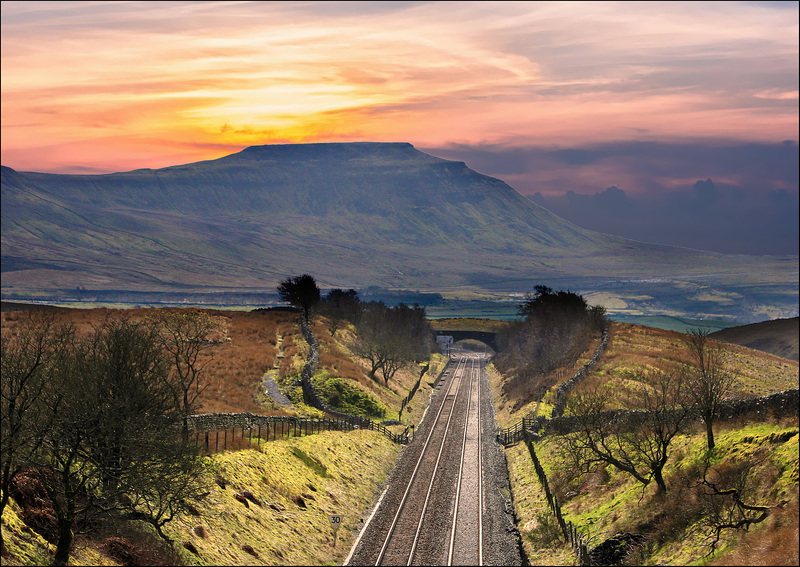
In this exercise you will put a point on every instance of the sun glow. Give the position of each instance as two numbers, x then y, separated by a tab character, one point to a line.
86	83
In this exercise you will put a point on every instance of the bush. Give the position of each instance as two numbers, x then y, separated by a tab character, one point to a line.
343	396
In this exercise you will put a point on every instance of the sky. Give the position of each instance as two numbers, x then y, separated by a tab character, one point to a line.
669	122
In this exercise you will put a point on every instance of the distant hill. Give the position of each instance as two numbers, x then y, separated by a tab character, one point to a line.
780	337
352	215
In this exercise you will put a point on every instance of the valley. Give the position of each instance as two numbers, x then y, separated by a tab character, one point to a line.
401	228
300	481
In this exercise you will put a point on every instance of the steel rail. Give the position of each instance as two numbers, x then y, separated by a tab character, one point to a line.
460	476
480	465
390	533
477	376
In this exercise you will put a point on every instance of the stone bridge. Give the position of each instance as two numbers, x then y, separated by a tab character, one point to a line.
486	337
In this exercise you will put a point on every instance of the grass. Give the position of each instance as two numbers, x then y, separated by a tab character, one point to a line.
299	483
608	501
633	348
530	505
268	506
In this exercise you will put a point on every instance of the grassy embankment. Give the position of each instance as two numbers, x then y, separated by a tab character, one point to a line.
609	502
293	486
298	482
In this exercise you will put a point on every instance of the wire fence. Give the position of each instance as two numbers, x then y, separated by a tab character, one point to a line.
579	545
224	436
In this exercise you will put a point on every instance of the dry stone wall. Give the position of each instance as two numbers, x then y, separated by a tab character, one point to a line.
565	387
781	404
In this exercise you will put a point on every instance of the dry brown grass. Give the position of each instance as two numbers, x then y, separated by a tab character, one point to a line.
774	543
248	347
234	367
635	348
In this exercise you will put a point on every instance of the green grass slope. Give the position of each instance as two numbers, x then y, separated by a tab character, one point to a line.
294	485
608	502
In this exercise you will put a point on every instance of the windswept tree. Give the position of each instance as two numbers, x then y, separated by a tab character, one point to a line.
636	443
708	381
301	292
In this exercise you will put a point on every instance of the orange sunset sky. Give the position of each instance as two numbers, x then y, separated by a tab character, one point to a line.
113	86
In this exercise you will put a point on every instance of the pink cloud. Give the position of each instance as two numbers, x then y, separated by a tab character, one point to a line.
87	75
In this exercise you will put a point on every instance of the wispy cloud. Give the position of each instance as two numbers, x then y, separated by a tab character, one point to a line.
430	73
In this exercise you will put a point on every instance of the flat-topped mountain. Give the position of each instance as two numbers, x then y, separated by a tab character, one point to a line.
351	214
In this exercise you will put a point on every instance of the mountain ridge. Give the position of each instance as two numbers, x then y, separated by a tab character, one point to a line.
353	214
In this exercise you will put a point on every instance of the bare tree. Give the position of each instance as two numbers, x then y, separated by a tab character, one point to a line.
724	489
370	343
709	383
128	377
634	442
184	336
112	445
391	337
70	478
27	357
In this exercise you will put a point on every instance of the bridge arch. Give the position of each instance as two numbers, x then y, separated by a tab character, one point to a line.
487	337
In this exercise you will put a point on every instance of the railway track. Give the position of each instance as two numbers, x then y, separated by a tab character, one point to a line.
433	513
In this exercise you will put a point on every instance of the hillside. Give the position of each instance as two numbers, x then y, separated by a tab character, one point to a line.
300	481
352	215
253	344
779	337
608	502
